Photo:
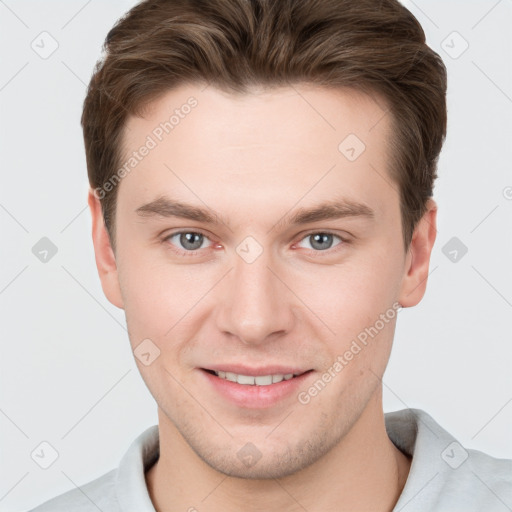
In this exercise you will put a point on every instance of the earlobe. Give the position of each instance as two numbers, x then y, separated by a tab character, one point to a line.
104	255
414	281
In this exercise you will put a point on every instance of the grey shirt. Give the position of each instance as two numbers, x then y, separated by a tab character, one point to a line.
444	476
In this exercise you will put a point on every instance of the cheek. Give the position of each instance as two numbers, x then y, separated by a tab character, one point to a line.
357	301
159	306
159	298
352	296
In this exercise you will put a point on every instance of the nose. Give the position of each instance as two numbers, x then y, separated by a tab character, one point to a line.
255	304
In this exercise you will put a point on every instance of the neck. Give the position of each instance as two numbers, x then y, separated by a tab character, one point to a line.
364	471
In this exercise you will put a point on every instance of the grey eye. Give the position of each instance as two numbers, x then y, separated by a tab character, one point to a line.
189	240
321	241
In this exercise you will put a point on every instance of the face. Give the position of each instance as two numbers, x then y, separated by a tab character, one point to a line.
260	236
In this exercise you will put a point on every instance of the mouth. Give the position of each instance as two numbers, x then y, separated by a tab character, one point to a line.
255	388
254	380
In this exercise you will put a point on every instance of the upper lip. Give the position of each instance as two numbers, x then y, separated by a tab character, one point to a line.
257	371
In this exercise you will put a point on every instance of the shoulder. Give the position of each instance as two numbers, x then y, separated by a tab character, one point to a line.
471	480
487	476
98	494
123	488
444	475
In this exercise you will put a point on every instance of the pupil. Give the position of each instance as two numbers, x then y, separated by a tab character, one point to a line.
320	238
187	238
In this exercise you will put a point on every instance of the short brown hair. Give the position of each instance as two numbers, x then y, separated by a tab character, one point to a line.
376	46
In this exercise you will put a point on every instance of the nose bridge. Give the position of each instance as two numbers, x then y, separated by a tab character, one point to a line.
256	304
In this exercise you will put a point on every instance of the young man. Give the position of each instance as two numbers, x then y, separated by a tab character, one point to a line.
261	193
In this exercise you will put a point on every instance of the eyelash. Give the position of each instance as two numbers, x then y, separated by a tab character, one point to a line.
181	252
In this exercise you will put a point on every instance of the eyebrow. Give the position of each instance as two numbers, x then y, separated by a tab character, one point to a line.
337	209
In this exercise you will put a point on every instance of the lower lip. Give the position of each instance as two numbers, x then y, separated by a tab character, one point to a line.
254	396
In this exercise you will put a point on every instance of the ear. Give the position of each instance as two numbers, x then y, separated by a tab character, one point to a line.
105	258
417	260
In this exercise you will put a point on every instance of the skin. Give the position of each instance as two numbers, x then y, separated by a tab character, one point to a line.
254	159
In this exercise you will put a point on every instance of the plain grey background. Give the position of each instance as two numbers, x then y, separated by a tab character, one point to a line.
68	377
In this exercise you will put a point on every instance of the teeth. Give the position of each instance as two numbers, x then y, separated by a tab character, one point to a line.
231	376
261	380
245	379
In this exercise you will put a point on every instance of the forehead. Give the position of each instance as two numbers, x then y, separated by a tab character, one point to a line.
262	116
263	147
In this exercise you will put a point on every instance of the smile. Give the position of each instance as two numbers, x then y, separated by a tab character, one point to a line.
249	380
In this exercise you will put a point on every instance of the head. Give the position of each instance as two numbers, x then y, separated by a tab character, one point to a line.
243	117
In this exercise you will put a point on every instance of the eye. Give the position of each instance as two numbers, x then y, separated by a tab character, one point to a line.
321	241
187	241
